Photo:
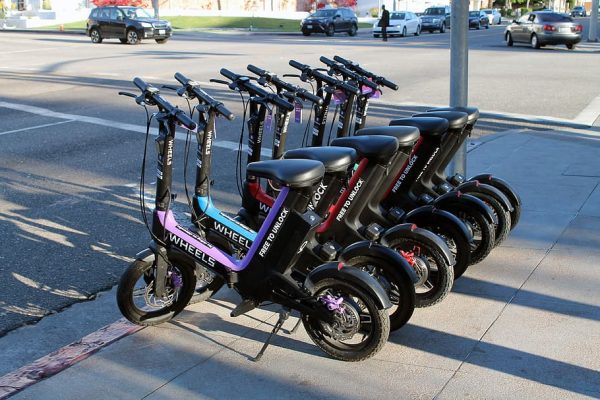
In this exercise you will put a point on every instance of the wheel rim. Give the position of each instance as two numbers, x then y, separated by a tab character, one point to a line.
534	41
132	37
95	36
143	290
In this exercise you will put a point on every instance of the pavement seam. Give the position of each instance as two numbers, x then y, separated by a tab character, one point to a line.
508	303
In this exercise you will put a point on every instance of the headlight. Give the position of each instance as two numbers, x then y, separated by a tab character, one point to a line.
435	20
146	24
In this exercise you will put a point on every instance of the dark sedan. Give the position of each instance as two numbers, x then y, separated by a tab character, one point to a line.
541	28
478	19
329	21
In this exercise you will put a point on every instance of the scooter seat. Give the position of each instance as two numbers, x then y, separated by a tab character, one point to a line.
335	159
473	112
428	126
376	148
456	119
291	173
406	135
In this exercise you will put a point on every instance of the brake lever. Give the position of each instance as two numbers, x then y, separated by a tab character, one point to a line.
171	87
291	76
127	94
220	81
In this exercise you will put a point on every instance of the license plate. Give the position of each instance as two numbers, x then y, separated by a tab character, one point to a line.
564	30
308	26
161	32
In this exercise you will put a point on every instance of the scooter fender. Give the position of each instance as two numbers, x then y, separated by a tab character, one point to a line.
429	215
454	200
420	235
501	185
355	276
480	187
381	252
146	255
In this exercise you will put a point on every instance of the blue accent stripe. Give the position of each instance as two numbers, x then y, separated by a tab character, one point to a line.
207	207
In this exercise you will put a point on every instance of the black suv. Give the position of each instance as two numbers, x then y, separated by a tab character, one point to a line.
329	21
128	24
436	19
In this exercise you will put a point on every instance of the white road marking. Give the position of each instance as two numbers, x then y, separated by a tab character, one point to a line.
35	127
30	50
224	144
591	113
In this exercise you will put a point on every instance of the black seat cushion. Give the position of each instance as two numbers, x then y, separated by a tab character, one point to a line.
406	135
473	112
428	126
456	119
376	148
335	159
292	173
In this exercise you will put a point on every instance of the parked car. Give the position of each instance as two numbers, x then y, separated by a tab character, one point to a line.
128	24
329	21
493	15
540	28
401	23
477	19
578	11
436	19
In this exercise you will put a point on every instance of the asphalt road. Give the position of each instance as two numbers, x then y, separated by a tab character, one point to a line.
70	147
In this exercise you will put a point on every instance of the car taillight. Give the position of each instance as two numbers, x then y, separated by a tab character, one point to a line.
578	28
549	28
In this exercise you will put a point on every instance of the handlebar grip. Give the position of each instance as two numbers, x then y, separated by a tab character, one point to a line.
326	61
181	78
255	70
185	120
368	83
228	74
349	88
221	109
298	65
281	103
139	82
342	60
311	97
389	84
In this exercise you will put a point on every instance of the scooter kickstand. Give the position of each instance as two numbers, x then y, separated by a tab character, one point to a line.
283	316
295	328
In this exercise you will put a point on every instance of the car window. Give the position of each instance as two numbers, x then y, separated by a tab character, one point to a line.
488	11
115	13
524	18
550	17
397	15
473	13
94	13
531	18
135	13
434	11
104	13
324	13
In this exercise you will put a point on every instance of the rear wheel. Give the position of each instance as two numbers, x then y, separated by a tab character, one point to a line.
133	37
136	297
404	32
535	43
358	329
443	28
353	30
457	243
418	31
399	288
483	234
95	36
124	41
502	228
435	275
571	46
478	26
509	39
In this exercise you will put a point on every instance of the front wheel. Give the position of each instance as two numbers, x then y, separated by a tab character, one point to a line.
509	39
535	43
443	28
502	228
418	31
95	36
357	329
435	275
161	41
571	46
353	30
133	37
136	298
404	32
330	30
483	233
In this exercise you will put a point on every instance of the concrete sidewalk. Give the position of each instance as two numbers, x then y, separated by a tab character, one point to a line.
522	324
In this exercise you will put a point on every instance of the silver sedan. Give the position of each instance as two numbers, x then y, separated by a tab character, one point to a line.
543	27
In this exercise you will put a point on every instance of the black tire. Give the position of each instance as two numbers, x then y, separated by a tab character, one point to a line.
353	30
404	32
373	324
330	30
458	245
124	41
306	33
399	288
443	28
152	314
571	46
509	39
161	41
502	228
132	37
483	233
418	31
487	26
375	35
435	275
535	43
431	31
478	26
95	36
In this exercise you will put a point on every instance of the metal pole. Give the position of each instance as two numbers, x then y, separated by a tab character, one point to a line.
459	72
593	33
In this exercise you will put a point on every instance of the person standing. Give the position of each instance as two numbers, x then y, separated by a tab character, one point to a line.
384	22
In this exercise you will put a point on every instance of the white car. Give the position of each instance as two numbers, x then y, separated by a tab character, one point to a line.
401	23
493	16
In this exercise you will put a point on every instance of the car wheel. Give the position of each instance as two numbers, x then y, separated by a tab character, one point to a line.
571	46
404	32
95	36
509	39
535	43
124	41
353	30
431	31
443	28
161	41
330	30
375	36
487	26
478	26
418	31
133	37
